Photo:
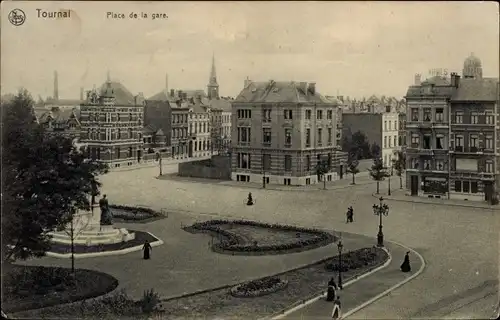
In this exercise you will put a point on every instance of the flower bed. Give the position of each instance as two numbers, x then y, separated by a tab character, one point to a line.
258	288
134	214
30	287
231	243
353	260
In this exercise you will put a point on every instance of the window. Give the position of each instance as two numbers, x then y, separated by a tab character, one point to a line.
473	142
243	160
395	140
427	114
266	136
319	114
474	118
414	114
117	152
488	142
489	166
465	186
427	141
427	164
108	117
288	114
244	114
329	115
390	125
439	115
459	143
439	141
459	117
385	125
243	135
308	138
414	163
308	163
390	141
288	163
288	137
266	162
415	141
330	136
266	115
440	165
308	114
320	137
385	142
473	186
458	186
490	119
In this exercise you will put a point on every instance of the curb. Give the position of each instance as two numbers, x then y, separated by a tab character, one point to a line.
396	286
391	198
346	284
157	243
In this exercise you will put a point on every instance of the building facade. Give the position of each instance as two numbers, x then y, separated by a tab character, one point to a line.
112	124
281	131
390	134
221	124
181	148
402	131
199	123
60	120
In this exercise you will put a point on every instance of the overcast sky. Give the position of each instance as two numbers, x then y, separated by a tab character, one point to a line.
353	48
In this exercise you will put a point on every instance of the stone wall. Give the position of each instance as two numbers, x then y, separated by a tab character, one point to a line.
218	167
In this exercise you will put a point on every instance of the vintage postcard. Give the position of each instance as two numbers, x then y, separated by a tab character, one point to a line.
250	159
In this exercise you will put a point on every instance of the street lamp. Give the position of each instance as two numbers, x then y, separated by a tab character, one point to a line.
380	210
390	175
340	246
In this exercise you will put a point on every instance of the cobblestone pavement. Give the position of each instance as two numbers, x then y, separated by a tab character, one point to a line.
364	289
459	244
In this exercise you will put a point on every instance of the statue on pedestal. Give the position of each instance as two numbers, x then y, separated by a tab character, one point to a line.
106	217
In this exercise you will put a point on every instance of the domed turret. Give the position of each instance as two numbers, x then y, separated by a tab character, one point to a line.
472	67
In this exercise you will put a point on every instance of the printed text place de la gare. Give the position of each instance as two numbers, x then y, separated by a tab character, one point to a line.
61	14
135	15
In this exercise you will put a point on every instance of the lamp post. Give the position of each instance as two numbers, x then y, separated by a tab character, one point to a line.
390	175
340	246
380	210
263	172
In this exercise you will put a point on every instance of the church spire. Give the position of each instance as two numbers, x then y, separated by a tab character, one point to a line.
213	86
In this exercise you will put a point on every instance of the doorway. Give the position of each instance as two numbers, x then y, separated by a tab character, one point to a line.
414	185
341	171
488	191
139	155
190	149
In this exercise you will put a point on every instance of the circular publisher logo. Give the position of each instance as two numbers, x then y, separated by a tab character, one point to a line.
17	17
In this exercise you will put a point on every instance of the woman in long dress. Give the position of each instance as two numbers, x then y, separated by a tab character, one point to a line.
336	312
147	249
332	287
405	266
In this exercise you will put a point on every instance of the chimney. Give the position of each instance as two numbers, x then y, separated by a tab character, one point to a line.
81	93
56	87
312	87
303	87
455	80
180	93
418	79
184	95
247	82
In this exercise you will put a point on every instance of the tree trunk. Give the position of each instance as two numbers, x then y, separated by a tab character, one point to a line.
353	179
400	182
324	182
378	187
73	249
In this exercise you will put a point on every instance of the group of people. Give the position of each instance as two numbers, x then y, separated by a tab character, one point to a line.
350	214
331	294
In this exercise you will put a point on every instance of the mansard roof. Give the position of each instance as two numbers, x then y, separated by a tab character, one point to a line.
469	89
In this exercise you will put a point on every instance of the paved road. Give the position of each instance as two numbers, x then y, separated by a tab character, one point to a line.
459	244
356	294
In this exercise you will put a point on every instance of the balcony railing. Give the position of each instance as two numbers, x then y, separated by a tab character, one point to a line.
461	149
473	174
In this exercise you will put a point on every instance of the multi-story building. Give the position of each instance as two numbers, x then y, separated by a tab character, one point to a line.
452	130
402	131
181	142
111	125
221	124
60	120
281	131
380	128
475	146
199	123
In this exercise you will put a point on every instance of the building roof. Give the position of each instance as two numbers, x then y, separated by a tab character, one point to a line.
160	96
222	104
282	91
58	115
122	95
485	89
435	86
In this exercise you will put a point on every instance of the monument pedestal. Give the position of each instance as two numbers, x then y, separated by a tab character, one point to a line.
87	230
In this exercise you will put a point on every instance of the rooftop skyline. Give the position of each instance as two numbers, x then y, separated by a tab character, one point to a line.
353	48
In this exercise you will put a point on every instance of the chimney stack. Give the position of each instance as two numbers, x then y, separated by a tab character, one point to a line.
180	93
247	82
166	82
418	79
455	79
56	87
312	87
172	93
303	87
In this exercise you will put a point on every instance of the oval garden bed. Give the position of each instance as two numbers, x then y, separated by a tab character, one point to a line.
258	287
135	214
33	287
241	237
352	260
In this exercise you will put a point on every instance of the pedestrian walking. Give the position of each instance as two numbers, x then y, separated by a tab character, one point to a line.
405	266
331	292
336	312
351	214
147	249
